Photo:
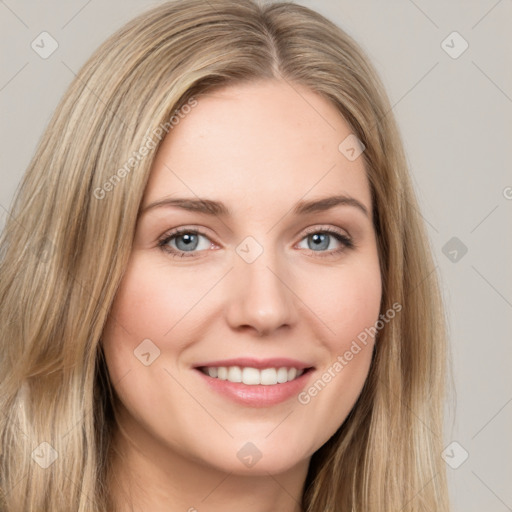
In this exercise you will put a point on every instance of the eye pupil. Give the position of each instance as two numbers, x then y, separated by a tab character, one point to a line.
188	240
320	238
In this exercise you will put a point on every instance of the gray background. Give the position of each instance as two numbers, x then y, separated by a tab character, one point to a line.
454	115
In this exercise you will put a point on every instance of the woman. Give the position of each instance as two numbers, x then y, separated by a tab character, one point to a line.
216	287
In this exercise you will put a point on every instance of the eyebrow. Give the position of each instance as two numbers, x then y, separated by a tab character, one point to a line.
217	208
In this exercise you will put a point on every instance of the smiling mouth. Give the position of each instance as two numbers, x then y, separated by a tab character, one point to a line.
254	376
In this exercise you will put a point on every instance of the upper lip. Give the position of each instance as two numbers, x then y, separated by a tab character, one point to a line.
275	362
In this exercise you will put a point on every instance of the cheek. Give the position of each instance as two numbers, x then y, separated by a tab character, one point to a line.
143	309
349	305
347	300
356	306
149	304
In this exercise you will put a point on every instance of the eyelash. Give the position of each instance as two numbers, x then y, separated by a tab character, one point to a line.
347	243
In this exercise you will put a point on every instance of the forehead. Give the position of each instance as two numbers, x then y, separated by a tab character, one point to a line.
262	141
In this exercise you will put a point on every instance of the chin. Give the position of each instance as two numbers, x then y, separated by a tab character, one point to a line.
256	458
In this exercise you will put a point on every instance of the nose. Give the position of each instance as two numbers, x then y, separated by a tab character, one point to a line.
260	298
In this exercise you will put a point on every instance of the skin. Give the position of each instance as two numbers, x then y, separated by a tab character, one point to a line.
259	148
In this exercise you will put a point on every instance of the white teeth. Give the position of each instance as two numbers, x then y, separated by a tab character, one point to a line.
235	374
282	375
269	376
253	376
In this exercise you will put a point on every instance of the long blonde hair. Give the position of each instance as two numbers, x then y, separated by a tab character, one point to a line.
68	238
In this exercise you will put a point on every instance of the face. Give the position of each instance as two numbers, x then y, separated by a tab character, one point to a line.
233	342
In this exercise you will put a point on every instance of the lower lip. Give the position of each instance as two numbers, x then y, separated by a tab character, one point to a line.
258	395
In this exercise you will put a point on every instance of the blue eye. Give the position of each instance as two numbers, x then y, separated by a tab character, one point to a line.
319	241
185	242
